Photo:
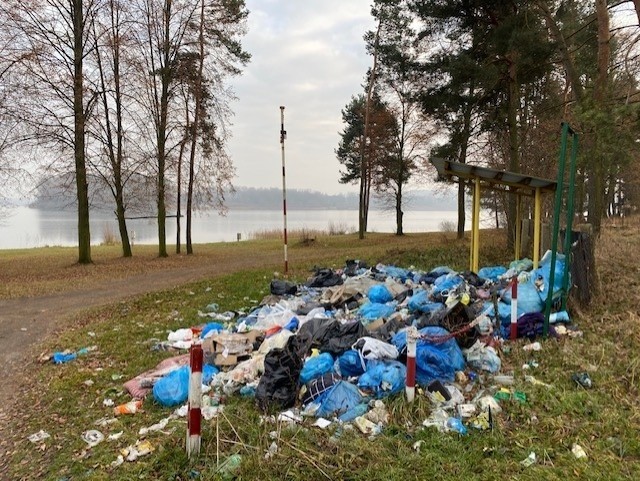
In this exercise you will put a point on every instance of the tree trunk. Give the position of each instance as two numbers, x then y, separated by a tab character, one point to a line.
597	171
636	4
165	79
82	189
120	204
190	197
179	188
115	149
399	213
122	225
365	168
194	130
462	158
514	161
567	60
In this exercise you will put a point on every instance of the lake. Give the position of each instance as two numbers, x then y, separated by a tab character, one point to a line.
28	227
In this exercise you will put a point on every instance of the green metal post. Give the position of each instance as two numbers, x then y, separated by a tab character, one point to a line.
556	225
570	212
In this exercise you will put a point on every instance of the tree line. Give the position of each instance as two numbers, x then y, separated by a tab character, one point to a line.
489	82
125	94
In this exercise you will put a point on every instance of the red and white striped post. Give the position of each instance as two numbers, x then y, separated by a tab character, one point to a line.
410	384
514	308
283	135
194	416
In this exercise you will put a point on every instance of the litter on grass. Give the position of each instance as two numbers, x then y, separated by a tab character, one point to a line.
335	348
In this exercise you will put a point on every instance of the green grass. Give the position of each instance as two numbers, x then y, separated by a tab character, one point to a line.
604	420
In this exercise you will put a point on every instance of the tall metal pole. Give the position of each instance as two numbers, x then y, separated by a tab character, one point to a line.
283	135
556	224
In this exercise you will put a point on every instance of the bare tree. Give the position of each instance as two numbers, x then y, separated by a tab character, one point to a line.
52	37
219	55
115	89
161	34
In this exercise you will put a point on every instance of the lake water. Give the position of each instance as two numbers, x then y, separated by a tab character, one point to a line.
27	227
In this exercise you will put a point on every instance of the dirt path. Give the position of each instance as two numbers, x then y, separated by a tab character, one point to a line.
25	322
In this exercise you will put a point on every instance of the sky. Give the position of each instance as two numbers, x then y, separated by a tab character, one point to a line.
308	56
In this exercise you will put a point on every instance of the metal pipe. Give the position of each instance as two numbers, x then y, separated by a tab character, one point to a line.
537	209
283	135
476	227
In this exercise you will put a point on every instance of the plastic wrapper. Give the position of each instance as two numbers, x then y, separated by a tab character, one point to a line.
482	357
372	348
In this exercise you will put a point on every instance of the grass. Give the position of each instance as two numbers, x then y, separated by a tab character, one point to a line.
33	272
604	420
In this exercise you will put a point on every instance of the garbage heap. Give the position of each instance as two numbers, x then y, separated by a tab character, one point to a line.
335	346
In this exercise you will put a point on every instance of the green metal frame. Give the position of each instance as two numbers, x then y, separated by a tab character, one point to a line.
566	131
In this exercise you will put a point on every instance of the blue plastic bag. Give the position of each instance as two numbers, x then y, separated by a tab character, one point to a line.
61	357
173	388
446	283
316	366
420	302
379	293
383	378
350	364
492	273
340	399
395	272
504	312
434	360
532	295
374	310
351	414
211	327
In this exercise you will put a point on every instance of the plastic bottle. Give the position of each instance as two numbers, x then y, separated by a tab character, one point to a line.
230	466
131	407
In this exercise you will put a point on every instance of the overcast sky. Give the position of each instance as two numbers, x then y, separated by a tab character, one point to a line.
309	56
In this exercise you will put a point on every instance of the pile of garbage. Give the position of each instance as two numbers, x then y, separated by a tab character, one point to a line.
335	347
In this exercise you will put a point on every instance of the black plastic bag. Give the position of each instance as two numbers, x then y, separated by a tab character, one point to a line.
281	288
328	335
325	278
278	387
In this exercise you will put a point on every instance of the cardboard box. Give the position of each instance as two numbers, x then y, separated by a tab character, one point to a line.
230	360
227	349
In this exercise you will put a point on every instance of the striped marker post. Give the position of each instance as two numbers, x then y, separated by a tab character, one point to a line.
410	384
194	416
283	135
514	308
